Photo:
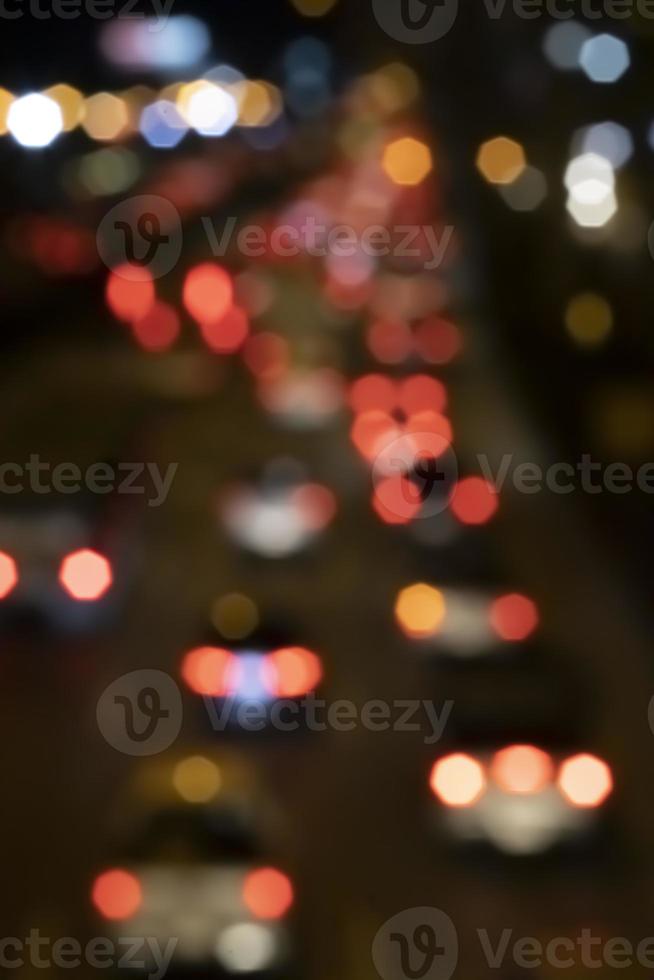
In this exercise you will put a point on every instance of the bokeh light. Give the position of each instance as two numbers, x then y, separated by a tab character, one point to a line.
458	780
420	610
585	780
407	161
267	893
117	894
85	575
522	769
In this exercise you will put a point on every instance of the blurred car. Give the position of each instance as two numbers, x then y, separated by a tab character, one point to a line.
61	567
251	678
521	799
194	878
279	515
464	622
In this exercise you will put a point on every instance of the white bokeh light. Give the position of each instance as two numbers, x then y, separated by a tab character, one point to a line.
211	111
563	43
590	181
607	139
34	120
605	58
247	947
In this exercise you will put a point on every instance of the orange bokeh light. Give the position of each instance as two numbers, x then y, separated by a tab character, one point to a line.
8	574
267	893
208	671
130	292
474	500
513	617
208	292
117	894
522	769
85	575
420	610
585	781
457	780
390	341
292	672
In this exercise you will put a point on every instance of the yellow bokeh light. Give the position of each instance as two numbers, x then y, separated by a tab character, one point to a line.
105	116
501	160
589	319
6	98
235	616
71	103
313	8
420	610
197	779
259	103
393	87
407	161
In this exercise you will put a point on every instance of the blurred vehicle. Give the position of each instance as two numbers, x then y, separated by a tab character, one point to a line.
195	873
282	514
62	568
249	679
464	623
521	799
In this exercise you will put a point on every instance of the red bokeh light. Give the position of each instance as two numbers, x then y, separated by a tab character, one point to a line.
130	292
437	340
317	503
397	500
292	672
373	392
474	500
8	574
85	575
267	893
226	335
208	292
420	393
117	894
513	617
209	671
372	432
522	769
390	341
158	329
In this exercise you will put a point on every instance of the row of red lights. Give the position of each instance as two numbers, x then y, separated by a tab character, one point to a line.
85	574
286	673
460	780
267	893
